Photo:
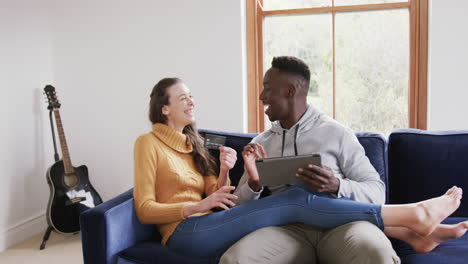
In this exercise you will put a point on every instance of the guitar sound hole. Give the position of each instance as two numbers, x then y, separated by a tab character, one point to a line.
70	180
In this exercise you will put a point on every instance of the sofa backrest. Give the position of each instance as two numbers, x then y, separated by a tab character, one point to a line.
375	146
425	164
237	141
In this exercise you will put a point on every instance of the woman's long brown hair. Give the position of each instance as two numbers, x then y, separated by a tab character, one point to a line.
204	162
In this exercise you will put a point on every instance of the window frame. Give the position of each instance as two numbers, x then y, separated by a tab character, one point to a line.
418	23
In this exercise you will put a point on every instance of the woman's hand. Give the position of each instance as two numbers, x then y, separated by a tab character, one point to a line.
221	198
227	158
250	153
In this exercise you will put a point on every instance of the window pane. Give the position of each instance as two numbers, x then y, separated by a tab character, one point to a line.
293	4
365	2
307	37
372	69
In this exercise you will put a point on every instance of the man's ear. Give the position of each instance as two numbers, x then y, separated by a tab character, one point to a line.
291	90
165	110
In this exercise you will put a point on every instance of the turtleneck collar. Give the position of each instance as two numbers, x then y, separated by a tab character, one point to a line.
175	140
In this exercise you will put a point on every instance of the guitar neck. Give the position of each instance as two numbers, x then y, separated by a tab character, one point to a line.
63	143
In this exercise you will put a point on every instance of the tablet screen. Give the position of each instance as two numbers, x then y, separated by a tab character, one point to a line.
282	170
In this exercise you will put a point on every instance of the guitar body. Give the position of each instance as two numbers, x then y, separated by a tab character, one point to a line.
70	194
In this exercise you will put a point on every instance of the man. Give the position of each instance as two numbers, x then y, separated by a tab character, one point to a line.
297	129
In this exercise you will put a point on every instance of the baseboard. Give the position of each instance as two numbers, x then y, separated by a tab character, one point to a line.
22	231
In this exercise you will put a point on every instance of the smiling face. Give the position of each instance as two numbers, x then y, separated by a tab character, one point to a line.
275	95
179	111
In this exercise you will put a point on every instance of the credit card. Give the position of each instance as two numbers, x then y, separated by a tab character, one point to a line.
214	141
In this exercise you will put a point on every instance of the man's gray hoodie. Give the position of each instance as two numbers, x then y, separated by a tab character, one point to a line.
340	150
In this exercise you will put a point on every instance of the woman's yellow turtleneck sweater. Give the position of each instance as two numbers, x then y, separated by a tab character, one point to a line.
166	179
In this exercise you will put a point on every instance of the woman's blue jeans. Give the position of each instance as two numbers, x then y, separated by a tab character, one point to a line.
210	235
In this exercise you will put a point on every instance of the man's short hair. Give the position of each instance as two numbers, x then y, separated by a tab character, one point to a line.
292	65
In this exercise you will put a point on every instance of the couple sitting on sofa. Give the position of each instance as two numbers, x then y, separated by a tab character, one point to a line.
336	216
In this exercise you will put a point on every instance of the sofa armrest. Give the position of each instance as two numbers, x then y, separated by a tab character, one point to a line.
110	228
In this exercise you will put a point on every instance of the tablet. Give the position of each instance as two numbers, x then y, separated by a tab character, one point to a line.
282	170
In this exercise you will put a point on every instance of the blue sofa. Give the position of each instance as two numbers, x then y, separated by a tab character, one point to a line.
419	165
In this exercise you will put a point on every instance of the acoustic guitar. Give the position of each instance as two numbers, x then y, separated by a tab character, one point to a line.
71	191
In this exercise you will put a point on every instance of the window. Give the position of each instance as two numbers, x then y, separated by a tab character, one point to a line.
368	59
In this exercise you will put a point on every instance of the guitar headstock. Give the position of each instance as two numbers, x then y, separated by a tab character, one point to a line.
54	103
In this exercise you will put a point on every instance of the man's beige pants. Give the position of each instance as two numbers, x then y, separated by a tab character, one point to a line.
358	242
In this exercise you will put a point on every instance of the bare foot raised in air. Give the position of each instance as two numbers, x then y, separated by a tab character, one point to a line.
422	217
430	213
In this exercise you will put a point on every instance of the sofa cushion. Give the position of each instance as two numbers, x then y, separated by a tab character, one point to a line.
451	252
375	146
425	164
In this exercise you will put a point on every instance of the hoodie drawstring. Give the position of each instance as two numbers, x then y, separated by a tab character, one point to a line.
282	145
295	137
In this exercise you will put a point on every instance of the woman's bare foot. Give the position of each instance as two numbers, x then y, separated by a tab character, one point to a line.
430	213
442	233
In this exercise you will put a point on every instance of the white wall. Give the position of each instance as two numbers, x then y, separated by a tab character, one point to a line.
447	71
104	57
109	54
25	67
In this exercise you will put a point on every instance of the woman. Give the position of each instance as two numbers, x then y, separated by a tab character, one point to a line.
176	188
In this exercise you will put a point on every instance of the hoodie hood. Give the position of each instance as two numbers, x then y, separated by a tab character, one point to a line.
307	120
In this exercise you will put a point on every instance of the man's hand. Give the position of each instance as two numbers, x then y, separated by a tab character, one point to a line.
320	179
250	153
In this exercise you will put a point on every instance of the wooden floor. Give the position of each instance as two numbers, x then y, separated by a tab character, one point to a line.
60	249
